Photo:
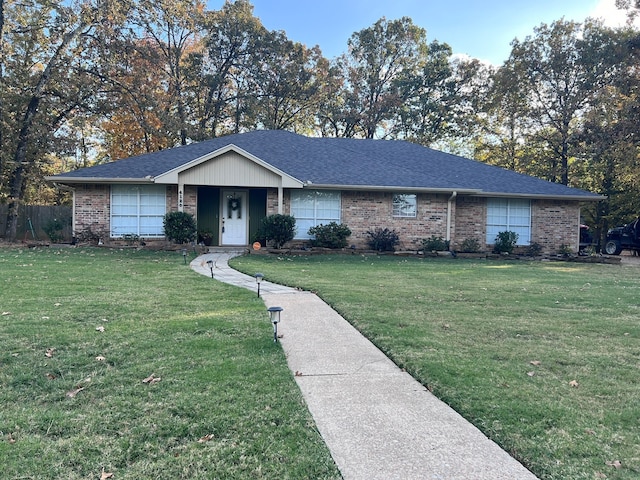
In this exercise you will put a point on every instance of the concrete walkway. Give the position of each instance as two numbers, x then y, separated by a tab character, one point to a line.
378	422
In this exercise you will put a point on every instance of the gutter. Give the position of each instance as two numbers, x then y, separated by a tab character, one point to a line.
58	179
453	196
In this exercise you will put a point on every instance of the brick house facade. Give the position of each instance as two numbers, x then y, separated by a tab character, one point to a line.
267	172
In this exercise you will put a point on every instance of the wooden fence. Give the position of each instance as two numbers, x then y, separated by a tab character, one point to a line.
35	220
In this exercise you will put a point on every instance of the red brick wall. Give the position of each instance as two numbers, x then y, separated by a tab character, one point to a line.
470	221
555	223
92	206
92	210
364	211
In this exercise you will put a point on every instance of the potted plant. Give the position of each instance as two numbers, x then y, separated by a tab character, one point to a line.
205	236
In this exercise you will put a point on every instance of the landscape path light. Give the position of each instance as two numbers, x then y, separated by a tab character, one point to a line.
210	263
259	277
184	255
274	316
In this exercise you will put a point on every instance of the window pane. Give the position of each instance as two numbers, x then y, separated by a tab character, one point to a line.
313	207
137	210
404	205
509	215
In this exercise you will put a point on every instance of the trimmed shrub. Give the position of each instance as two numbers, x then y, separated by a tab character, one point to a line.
534	249
435	244
505	242
470	245
382	239
53	229
278	229
180	227
330	235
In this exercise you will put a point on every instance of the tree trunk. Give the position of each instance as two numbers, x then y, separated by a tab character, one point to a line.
16	185
1	80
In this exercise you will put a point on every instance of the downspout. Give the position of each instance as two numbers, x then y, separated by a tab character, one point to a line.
453	196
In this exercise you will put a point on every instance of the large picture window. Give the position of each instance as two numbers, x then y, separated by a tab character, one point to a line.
314	207
505	214
138	210
405	205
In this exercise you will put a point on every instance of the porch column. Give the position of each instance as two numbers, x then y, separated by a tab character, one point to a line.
280	198
181	197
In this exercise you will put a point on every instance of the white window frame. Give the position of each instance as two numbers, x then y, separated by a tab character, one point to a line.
405	205
311	208
509	214
138	210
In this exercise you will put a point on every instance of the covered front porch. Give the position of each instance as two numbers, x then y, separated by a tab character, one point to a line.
231	189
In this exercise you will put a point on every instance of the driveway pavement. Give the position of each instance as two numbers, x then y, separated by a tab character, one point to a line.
378	422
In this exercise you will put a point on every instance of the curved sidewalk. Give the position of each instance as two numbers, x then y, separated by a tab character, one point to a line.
378	422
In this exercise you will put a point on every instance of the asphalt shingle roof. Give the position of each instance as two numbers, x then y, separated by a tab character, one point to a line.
341	162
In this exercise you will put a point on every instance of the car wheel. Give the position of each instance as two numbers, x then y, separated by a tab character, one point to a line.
612	247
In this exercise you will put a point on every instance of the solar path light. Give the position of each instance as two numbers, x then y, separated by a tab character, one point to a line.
259	277
274	316
184	255
210	263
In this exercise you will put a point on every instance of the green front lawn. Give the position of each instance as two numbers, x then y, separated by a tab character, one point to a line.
80	332
543	357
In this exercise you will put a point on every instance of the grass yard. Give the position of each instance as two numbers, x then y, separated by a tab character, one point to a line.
543	357
128	365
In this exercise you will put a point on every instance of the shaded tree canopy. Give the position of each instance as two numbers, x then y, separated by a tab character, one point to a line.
97	80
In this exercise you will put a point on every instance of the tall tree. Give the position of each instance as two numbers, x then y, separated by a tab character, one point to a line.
380	69
559	69
173	26
47	41
232	37
288	79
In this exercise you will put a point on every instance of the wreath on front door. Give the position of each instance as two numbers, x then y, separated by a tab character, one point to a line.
232	205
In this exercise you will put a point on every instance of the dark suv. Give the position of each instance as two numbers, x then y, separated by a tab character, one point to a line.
623	238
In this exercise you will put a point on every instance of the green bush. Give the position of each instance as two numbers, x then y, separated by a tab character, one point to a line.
382	239
278	229
505	242
435	244
53	229
331	235
534	249
470	245
180	227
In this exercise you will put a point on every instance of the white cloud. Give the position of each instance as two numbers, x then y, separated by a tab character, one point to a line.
612	16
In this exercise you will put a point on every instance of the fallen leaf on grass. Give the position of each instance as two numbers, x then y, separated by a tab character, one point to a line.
535	362
11	439
600	475
100	328
206	438
100	358
574	384
531	374
73	393
51	376
49	352
6	313
105	475
615	464
151	379
57	304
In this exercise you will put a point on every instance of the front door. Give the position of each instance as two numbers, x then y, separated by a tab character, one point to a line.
234	217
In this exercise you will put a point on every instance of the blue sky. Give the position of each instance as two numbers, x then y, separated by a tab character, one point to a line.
482	29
